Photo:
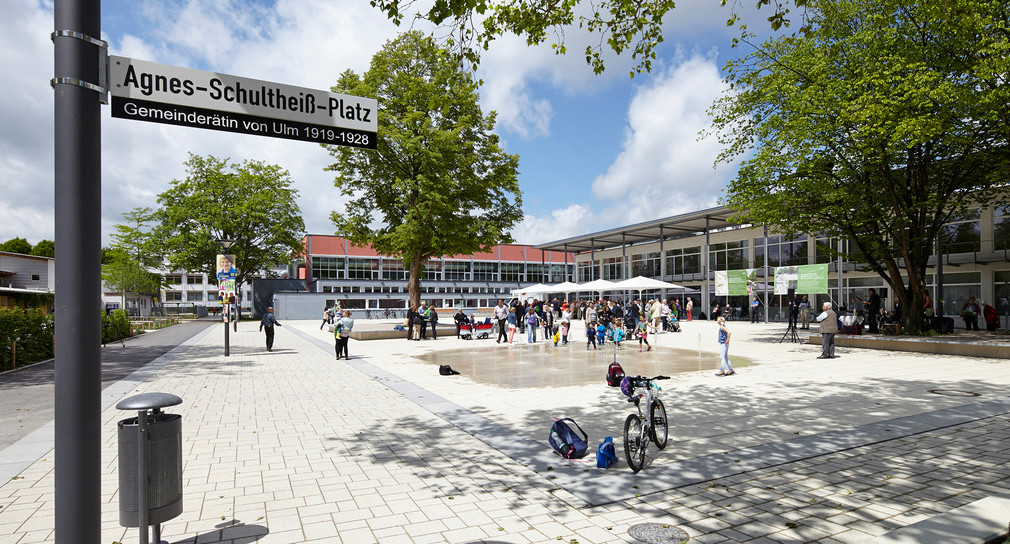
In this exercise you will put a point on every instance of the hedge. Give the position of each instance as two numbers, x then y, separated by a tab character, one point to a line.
26	335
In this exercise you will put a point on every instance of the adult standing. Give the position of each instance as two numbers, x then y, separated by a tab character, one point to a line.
872	305
755	305
532	320
422	318
725	367
828	328
655	312
664	315
635	311
411	321
501	314
267	324
805	312
970	312
689	308
794	311
511	319
460	319
991	317
338	335
433	318
345	336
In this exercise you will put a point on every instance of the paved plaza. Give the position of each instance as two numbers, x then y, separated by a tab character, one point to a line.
292	446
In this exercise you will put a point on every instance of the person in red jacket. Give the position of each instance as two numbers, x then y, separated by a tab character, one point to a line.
991	317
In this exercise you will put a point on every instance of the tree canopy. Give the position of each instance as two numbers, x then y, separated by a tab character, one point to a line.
617	25
881	123
17	245
438	182
45	248
252	204
130	264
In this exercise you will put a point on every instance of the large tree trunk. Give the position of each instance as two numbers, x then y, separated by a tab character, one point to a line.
414	283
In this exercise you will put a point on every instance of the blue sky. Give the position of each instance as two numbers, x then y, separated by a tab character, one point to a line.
595	151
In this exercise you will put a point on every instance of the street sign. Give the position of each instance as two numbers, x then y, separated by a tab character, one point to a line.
158	93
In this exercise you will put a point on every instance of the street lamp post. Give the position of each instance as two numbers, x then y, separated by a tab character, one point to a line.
225	302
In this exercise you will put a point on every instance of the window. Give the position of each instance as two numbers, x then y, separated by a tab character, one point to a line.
194	279
327	268
728	255
559	273
781	252
173	279
173	296
457	270
484	271
588	270
963	234
1001	229
535	273
1001	291
957	287
362	269
512	271
683	261
613	268
645	264
194	296
393	270
36	277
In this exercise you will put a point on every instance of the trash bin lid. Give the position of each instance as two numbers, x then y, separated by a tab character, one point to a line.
147	401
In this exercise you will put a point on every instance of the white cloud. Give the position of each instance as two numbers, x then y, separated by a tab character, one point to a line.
573	220
664	168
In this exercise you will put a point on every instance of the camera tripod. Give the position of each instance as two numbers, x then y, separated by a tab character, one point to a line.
791	335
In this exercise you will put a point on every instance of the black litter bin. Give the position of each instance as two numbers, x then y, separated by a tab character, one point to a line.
152	463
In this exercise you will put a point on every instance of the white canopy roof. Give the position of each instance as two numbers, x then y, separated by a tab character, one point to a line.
535	289
597	286
640	283
566	287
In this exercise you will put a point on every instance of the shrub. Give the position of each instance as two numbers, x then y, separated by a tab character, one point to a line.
26	335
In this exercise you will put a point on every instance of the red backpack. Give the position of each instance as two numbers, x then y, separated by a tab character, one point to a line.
615	373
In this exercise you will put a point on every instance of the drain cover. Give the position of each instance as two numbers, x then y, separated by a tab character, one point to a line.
658	533
953	393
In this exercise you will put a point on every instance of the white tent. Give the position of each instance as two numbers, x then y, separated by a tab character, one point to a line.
640	283
532	290
566	287
597	286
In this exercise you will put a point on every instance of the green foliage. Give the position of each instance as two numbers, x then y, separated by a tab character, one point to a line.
127	266
45	248
26	335
439	183
115	326
251	204
17	245
876	125
471	25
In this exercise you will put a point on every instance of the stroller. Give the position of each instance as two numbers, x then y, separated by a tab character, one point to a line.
482	329
672	323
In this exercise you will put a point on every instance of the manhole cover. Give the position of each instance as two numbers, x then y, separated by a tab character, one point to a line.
953	393
657	533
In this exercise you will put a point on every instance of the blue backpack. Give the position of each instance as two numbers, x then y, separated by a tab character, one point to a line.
566	442
606	455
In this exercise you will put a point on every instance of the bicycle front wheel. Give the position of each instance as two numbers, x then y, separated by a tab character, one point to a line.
659	431
635	442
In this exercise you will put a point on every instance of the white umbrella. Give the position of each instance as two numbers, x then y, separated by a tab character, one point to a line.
535	289
597	286
566	287
640	283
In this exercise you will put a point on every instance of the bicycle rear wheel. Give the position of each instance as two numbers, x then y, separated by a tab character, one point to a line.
635	442
659	431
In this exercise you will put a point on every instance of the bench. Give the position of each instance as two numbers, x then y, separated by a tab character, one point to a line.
973	523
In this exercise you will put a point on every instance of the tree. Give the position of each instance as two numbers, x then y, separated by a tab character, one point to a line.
879	125
621	25
438	182
130	265
251	204
45	248
16	245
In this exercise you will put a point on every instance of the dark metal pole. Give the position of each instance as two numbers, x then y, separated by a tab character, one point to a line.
78	189
227	316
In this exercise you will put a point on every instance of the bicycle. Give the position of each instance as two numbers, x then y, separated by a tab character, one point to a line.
639	430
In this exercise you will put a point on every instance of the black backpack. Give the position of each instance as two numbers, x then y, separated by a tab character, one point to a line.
446	370
614	374
566	442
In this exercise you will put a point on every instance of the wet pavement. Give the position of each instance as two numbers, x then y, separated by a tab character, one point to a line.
541	364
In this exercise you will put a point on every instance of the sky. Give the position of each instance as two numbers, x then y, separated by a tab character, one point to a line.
596	151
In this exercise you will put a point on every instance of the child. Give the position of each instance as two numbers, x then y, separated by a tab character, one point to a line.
617	335
564	333
591	335
643	335
556	337
601	334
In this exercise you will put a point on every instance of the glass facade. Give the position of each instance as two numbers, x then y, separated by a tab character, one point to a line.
327	268
683	261
963	234
613	268
512	272
457	270
1001	229
645	264
485	271
781	252
728	255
